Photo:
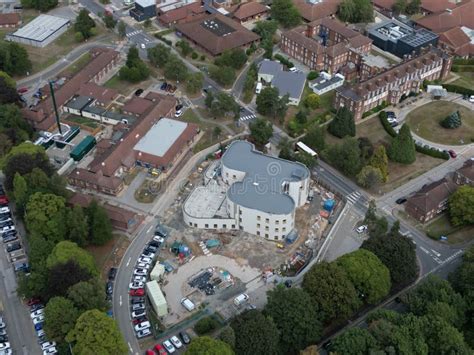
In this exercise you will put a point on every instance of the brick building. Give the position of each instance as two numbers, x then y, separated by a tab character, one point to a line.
325	44
10	20
390	85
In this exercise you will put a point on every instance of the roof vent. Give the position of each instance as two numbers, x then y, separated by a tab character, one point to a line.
255	183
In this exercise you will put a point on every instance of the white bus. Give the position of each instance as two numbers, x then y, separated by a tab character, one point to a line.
300	146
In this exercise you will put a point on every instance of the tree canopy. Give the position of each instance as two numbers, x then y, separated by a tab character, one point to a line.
369	275
356	11
87	295
461	206
100	228
342	124
285	12
96	333
8	93
402	150
208	346
260	131
333	292
270	104
60	316
84	24
235	58
346	156
12	123
14	59
255	334
135	69
175	69
224	75
66	251
41	5
315	138
295	316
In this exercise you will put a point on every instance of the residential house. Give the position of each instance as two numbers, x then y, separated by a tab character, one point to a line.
465	174
10	20
250	11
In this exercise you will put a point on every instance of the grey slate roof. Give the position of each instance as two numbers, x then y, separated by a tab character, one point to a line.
289	83
270	67
79	102
261	188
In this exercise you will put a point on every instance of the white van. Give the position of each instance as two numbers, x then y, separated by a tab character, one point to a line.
241	299
258	88
188	304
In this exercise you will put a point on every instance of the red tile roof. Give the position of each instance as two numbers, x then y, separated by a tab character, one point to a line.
213	43
102	94
431	196
311	12
458	41
107	182
384	4
249	9
461	15
184	13
9	19
137	106
437	5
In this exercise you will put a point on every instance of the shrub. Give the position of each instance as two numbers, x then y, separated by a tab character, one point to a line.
206	325
312	75
284	60
203	57
458	89
452	121
462	68
375	109
432	152
194	55
163	39
386	125
463	61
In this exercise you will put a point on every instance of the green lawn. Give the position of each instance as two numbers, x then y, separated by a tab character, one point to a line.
209	137
125	87
424	121
466	80
75	67
442	226
83	121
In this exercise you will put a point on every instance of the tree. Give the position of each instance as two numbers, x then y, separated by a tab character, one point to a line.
20	192
461	206
14	59
41	5
60	316
185	48
346	156
45	216
306	159
84	24
122	29
315	138
12	123
312	75
175	69
400	6
260	131
249	83
379	160
369	177
227	335
369	275
312	101
68	251
332	291
100	231
217	131
452	121
286	149
109	21
402	149
8	93
267	45
355	341
61	276
87	295
194	82
96	333
208	346
135	70
342	124
462	279
398	254
285	12
269	103
78	230
224	75
159	55
255	334
296	317
206	325
355	11
442	338
301	117
413	7
266	29
235	58
147	23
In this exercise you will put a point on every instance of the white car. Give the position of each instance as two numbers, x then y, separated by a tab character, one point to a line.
158	239
4	346
7	229
145	260
142	326
176	342
361	229
39	319
178	113
148	254
6	352
136	285
139	313
143	45
169	347
48	344
143	266
139	279
4	210
49	351
293	69
143	333
37	313
139	272
471	98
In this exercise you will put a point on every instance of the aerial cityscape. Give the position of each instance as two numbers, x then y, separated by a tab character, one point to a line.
237	177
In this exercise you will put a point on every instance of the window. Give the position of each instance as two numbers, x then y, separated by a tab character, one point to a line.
276	237
195	224
240	227
266	228
206	225
284	221
240	211
234	176
283	229
258	218
258	225
224	226
215	225
258	232
267	220
277	222
266	235
240	219
191	224
277	230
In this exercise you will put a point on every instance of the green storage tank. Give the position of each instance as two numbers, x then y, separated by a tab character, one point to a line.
83	148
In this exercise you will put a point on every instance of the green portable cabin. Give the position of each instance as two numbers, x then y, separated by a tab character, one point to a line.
83	148
69	136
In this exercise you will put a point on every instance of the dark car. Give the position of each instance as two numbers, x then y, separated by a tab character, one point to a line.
9	233
13	247
452	153
401	200
390	113
138	92
112	273
154	243
178	107
163	86
151	248
288	283
109	288
135	300
9	238
185	337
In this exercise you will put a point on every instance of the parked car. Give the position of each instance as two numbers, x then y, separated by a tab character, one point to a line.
4	346
240	299
158	239
151	248
32	301
148	254
139	320
135	300
185	337
401	200
361	229
178	107
143	266
37	313
143	333
452	153
138	307
136	285
22	90
169	347
109	288
138	313
9	238
145	260
160	349
50	351
48	344
112	273
163	86
178	113
38	319
137	292
293	69
13	246
36	306
139	278
139	272
138	92
176	342
142	326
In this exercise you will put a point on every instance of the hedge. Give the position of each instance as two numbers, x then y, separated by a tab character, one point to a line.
161	38
458	89
462	61
462	68
386	125
375	109
284	60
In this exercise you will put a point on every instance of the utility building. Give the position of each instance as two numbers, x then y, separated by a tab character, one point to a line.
157	299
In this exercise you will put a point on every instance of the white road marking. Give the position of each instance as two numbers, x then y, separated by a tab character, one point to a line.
149	229
130	347
436	253
120	300
128	262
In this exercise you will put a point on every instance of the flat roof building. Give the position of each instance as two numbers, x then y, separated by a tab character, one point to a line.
397	38
41	31
325	83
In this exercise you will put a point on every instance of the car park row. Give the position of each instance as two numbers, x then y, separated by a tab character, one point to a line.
5	348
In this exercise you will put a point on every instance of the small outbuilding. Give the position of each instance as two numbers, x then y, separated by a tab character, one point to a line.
157	299
157	273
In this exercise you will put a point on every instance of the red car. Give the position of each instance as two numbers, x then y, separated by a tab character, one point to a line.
32	301
150	352
22	90
137	292
3	200
160	349
452	153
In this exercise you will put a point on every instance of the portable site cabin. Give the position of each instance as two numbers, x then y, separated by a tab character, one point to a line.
157	273
157	299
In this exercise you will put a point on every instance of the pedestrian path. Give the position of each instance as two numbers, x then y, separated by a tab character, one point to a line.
248	117
131	34
353	197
